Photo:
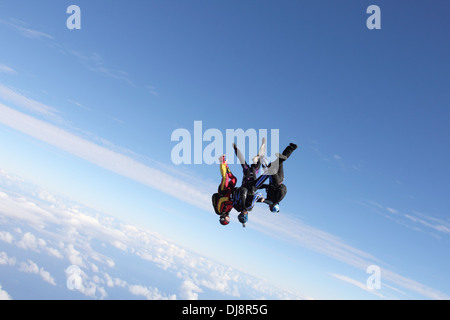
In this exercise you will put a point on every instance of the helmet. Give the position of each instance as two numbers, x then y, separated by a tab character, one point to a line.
224	219
243	217
275	208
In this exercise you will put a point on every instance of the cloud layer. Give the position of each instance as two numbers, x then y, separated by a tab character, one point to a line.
96	246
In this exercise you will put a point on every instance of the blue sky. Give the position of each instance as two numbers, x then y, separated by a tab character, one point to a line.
89	114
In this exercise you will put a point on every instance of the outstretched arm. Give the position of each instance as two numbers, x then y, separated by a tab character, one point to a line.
228	179
239	156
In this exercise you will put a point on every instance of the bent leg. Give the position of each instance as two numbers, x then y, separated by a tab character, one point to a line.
280	193
276	169
276	172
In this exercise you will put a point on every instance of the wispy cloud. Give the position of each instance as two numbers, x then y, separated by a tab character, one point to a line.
412	219
9	95
6	69
358	284
296	231
344	164
104	157
25	31
152	90
79	105
114	74
429	222
91	60
95	62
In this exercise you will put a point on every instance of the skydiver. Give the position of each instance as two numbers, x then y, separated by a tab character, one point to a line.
276	190
243	202
222	199
250	172
245	197
228	196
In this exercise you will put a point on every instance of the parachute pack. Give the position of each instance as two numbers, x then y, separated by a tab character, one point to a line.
221	204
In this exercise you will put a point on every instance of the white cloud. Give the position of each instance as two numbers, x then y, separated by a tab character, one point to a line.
109	280
5	260
294	230
29	267
194	271
77	227
54	253
7	70
6	237
9	95
189	291
78	280
358	284
4	295
152	90
105	158
46	196
46	276
413	285
74	255
120	283
391	210
30	242
27	32
150	293
430	222
291	229
95	62
32	267
415	220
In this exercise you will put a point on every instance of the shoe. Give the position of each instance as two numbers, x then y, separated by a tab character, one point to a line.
255	159
281	156
223	159
293	145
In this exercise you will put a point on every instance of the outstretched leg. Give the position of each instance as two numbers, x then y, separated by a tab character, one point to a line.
276	170
289	149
